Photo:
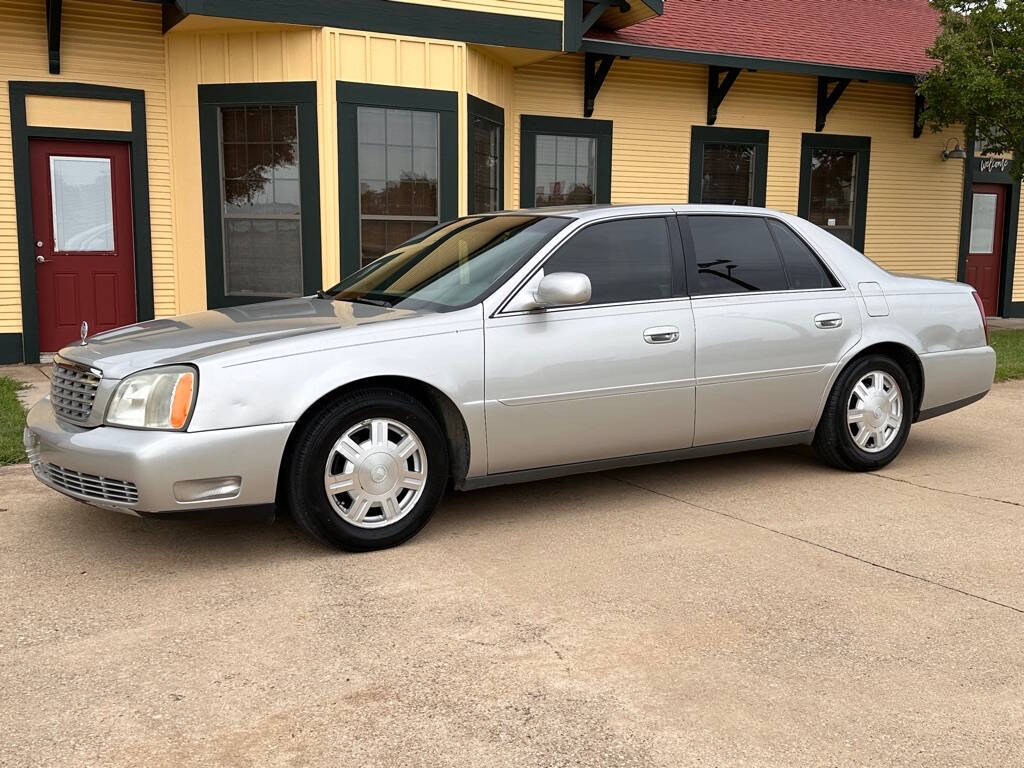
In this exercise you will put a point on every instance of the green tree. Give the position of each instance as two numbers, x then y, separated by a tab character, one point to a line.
978	81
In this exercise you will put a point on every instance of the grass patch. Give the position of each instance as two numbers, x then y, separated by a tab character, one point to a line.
12	422
1009	347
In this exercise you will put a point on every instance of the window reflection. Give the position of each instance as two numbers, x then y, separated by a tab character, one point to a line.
833	191
728	174
398	177
565	170
261	200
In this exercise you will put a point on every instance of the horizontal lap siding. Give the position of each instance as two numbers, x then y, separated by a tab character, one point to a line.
1017	291
651	104
117	43
913	219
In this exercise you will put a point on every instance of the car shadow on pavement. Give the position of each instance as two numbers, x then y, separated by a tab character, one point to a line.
106	537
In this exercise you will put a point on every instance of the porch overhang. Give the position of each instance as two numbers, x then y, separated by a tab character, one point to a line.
733	61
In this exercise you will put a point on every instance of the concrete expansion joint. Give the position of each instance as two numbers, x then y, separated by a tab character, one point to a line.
827	548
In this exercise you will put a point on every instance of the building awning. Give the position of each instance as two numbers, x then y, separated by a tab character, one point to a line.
861	39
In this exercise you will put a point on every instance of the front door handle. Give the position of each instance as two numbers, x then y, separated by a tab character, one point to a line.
40	258
662	334
828	320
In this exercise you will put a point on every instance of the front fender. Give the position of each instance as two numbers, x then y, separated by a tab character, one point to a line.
281	389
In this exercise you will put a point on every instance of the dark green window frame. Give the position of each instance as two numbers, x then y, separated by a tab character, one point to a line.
301	95
531	126
351	96
859	144
495	115
706	134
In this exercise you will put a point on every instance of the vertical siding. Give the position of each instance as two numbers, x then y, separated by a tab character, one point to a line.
117	43
913	219
545	9
366	57
268	54
279	53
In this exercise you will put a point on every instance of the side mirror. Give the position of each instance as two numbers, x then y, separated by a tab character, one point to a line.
562	289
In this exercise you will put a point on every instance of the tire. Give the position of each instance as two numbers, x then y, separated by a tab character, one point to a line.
856	433
388	464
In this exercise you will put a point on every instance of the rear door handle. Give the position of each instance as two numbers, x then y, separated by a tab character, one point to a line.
828	320
662	334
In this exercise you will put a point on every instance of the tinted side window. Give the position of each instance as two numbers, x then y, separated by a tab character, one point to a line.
735	254
805	271
626	260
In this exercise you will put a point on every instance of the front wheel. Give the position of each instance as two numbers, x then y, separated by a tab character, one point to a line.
368	471
867	417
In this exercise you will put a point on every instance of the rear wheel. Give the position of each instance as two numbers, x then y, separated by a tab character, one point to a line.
368	471
867	417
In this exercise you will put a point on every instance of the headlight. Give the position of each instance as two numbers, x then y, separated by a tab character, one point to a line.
161	398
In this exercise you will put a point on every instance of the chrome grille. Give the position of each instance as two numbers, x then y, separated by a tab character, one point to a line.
88	486
73	391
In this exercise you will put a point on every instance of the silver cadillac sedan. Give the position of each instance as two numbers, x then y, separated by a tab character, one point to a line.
511	347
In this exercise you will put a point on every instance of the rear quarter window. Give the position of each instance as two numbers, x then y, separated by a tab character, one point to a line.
805	270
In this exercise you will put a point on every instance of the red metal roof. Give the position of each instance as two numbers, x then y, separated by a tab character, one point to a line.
885	35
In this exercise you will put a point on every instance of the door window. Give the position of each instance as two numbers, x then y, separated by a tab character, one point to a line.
261	204
82	204
626	260
983	222
735	254
804	269
398	177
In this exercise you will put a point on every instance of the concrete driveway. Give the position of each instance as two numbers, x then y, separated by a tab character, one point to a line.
757	610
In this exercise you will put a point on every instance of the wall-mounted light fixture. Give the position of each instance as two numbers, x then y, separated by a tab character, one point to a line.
956	153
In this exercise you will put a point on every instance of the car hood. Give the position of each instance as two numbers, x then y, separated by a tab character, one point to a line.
191	338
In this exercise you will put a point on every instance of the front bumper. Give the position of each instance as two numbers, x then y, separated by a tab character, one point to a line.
135	471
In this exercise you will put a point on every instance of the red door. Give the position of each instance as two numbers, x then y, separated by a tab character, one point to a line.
985	255
85	259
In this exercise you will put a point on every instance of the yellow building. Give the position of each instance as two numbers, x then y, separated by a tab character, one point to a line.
159	158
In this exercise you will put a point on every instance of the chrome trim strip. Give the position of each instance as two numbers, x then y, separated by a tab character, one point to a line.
583	394
81	367
753	375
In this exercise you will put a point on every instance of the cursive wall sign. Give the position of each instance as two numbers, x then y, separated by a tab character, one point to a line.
993	164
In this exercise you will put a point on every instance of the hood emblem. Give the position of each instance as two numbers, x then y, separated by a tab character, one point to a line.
85	332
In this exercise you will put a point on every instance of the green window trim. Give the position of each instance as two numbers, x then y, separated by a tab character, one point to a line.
21	134
530	126
301	95
706	134
351	96
492	113
859	144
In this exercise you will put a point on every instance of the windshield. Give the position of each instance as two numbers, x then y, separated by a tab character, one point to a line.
451	266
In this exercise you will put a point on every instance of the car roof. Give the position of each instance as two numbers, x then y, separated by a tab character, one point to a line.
593	212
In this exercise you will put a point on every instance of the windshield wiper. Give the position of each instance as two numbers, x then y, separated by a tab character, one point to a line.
321	294
364	300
